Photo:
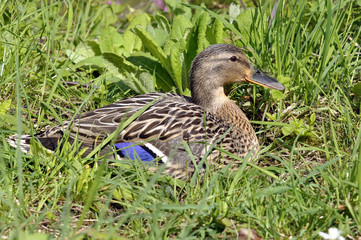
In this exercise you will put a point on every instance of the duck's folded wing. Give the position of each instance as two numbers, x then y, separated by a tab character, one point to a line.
171	120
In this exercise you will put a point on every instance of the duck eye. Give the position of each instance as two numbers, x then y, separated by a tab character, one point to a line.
233	58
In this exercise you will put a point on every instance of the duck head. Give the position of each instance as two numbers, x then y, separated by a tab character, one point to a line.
221	64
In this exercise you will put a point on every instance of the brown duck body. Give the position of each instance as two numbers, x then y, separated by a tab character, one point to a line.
173	121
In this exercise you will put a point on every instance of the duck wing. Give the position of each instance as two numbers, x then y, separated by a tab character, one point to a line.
164	128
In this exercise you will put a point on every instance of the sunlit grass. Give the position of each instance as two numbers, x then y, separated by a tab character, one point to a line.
307	178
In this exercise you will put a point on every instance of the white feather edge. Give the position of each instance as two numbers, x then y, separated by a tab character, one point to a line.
158	152
12	140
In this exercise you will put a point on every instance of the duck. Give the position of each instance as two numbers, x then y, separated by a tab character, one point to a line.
171	127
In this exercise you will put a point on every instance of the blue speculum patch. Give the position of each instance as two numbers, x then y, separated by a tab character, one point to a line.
135	152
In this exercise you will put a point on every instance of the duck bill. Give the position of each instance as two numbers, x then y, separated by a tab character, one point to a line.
262	79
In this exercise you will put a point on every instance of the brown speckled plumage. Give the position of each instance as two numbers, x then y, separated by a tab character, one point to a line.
174	120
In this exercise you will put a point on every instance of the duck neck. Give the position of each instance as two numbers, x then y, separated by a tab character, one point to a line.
206	92
211	100
214	100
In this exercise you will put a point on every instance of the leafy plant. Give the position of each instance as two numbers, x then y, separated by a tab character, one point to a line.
151	51
300	128
6	118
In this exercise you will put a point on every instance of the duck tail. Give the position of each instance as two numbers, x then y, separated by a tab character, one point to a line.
23	139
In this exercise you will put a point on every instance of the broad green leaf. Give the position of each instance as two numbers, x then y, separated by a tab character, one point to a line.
284	80
4	106
312	118
196	40
278	95
123	193
153	48
187	92
178	8
298	123
83	51
216	16
131	75
226	221
163	22
95	47
272	117
92	61
74	56
218	31
147	80
130	40
117	65
110	40
180	28
202	26
159	35
7	119
215	32
172	4
83	179
288	130
176	59
146	61
109	15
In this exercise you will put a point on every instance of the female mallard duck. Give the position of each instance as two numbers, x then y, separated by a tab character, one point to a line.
172	120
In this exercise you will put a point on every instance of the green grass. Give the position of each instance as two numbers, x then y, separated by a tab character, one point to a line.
307	179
